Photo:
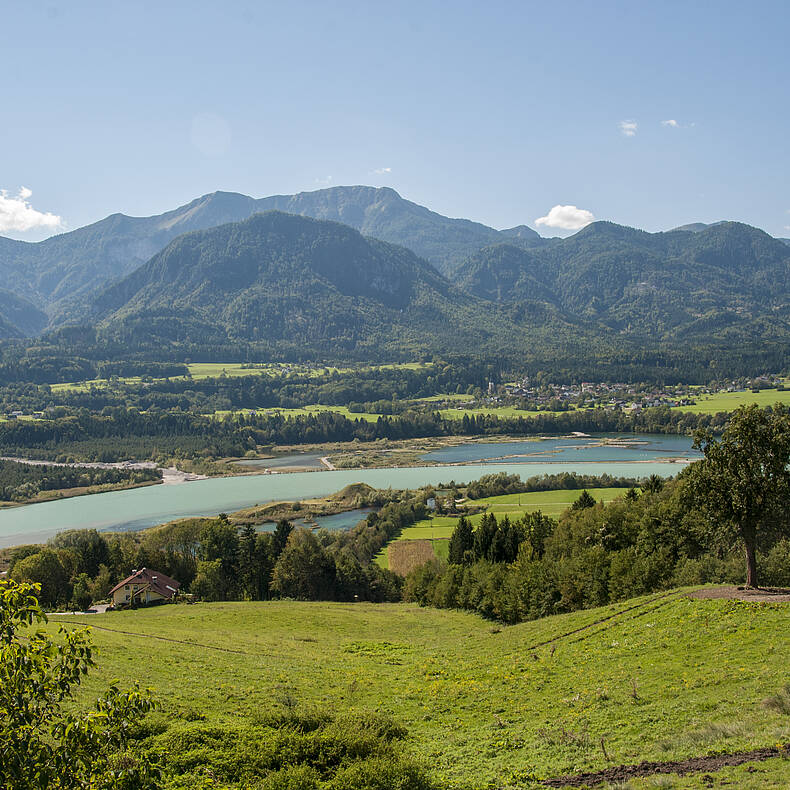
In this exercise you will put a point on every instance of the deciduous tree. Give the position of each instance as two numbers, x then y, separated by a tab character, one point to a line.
43	745
743	482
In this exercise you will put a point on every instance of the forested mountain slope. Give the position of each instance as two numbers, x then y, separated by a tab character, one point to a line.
724	280
19	317
301	285
53	272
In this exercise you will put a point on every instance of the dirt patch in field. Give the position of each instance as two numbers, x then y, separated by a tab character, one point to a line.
767	594
405	555
623	773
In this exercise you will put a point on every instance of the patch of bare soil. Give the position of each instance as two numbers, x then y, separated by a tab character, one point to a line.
622	773
767	594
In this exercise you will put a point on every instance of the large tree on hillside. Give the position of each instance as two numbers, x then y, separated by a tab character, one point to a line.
743	482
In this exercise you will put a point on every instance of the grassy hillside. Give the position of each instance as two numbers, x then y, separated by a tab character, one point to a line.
664	677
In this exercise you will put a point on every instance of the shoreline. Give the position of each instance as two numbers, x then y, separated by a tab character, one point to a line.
71	493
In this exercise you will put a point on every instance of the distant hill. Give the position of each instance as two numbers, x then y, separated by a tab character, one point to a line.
696	227
724	281
53	272
300	285
19	317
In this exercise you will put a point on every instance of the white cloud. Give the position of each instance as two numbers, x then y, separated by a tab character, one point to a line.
566	217
326	181
628	128
16	213
672	123
382	171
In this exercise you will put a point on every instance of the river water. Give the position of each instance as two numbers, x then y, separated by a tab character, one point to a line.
145	507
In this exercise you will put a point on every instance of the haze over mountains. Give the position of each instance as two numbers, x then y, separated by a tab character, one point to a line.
333	284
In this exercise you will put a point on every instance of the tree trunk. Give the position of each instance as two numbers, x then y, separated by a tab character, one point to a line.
751	564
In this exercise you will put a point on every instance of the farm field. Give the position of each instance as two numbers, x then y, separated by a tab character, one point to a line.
551	503
307	410
85	386
318	408
204	370
492	411
729	401
663	678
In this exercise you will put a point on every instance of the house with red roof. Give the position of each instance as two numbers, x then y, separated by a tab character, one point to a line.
144	586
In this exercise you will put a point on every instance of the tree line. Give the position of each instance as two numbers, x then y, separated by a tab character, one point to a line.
118	433
21	482
219	560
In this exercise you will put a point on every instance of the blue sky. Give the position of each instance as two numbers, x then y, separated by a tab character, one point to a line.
495	111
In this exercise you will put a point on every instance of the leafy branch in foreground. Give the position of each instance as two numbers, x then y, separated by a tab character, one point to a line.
43	745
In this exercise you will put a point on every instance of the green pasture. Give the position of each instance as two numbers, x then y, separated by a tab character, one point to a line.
454	396
729	401
318	408
504	412
550	502
438	529
302	412
656	678
85	386
202	370
205	370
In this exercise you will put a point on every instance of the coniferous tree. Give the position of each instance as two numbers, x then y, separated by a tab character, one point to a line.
538	528
584	501
484	536
461	541
280	537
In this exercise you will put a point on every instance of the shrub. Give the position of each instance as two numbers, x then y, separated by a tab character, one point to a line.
293	777
382	774
632	573
776	567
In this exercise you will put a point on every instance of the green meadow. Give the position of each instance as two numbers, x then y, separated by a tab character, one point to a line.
729	401
304	411
85	386
657	678
551	503
504	412
205	370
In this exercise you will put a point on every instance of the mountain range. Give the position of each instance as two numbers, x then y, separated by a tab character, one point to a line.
360	270
296	284
51	273
695	284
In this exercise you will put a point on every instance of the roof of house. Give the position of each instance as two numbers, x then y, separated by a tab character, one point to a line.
157	581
